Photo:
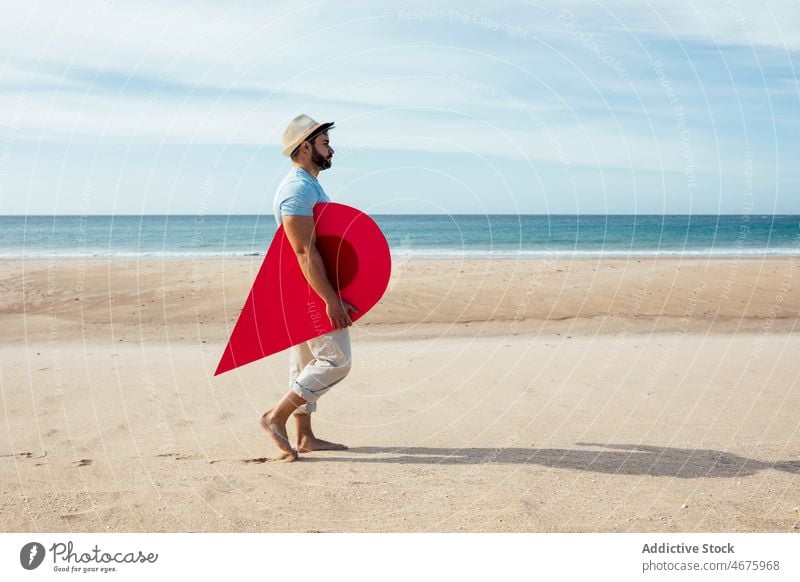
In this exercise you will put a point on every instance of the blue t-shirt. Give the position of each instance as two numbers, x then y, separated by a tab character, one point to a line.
297	194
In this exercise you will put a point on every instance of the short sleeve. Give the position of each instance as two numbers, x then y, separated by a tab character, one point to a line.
297	199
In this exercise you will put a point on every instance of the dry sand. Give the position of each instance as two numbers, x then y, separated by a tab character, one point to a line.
572	395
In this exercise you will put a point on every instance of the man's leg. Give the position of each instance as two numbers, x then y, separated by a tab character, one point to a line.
307	442
274	422
314	367
329	364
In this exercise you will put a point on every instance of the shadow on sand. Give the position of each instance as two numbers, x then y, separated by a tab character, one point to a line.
599	458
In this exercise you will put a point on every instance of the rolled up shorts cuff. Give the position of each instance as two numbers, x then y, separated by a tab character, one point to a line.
304	392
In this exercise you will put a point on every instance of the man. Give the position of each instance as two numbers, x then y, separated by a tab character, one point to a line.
316	365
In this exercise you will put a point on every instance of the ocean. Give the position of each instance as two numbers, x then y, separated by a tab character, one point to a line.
410	236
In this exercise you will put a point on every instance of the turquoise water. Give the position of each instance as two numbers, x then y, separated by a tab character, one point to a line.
417	236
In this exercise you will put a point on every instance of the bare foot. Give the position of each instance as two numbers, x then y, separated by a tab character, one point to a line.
310	444
277	433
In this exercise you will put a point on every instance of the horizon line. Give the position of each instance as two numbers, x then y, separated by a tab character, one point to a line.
760	214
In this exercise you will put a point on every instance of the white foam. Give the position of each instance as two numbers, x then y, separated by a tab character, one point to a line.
418	253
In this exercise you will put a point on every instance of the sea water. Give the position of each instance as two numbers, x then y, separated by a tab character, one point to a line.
410	236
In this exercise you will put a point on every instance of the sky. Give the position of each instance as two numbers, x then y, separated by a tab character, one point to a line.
591	107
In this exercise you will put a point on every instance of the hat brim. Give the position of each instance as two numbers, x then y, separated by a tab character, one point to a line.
314	131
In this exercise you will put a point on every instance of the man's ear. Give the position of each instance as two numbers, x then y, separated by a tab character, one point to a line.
299	149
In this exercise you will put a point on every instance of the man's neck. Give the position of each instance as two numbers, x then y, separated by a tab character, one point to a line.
311	168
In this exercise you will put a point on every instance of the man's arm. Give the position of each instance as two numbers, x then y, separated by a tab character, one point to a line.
300	232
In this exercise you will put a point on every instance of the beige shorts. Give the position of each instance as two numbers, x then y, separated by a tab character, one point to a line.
317	365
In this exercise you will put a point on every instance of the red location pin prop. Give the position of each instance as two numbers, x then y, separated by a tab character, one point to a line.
283	310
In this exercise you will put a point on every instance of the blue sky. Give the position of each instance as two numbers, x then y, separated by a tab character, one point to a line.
644	106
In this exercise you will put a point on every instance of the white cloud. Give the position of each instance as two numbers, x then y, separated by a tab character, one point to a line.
436	85
769	23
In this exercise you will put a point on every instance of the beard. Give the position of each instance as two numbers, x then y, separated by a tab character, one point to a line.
319	160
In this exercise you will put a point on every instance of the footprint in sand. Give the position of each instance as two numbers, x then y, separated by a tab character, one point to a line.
175	456
255	461
25	455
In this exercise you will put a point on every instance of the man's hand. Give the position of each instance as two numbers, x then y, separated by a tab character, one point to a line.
339	313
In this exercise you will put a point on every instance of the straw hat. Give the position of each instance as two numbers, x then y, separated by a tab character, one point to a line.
300	129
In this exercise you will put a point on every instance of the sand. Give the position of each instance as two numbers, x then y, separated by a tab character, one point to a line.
647	395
